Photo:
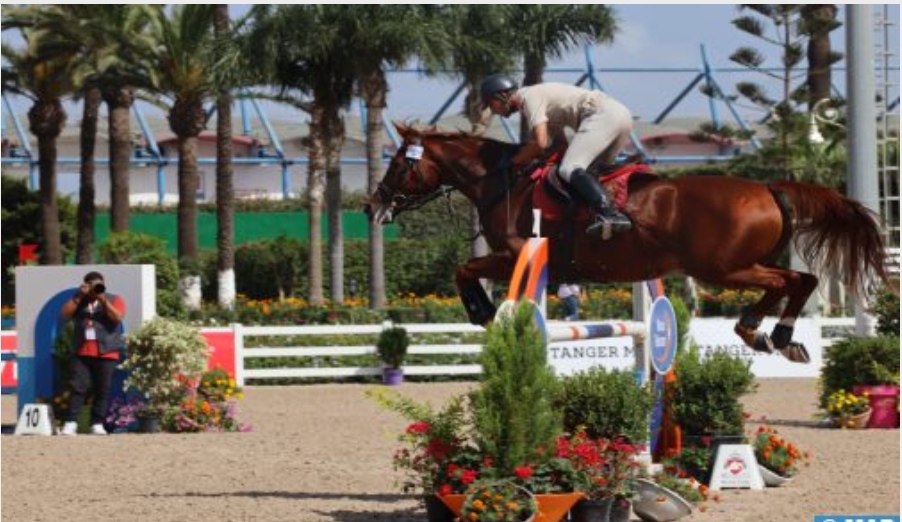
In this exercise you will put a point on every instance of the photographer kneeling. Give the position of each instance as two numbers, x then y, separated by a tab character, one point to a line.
97	343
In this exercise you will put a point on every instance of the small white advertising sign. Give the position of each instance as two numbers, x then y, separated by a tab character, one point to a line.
570	357
735	466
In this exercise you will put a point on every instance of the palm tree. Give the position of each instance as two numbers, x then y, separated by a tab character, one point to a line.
315	63
392	35
84	244
42	72
112	40
109	40
116	41
184	62
550	30
225	193
39	15
482	46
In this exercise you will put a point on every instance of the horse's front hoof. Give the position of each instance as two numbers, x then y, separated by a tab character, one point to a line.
796	352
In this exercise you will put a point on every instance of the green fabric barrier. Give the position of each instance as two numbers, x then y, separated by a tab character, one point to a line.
249	227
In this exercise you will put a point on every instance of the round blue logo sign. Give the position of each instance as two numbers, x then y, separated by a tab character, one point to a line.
663	335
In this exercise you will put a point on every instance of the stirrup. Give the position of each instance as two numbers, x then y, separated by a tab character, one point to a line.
601	227
608	225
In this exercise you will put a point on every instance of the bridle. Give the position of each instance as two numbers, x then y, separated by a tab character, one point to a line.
403	202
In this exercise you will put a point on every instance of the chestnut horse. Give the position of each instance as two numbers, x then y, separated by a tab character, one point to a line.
723	231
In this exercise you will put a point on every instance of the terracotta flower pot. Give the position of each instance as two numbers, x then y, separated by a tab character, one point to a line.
455	502
853	422
552	507
437	511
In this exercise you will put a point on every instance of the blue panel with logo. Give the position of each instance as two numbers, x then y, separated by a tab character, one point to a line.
663	335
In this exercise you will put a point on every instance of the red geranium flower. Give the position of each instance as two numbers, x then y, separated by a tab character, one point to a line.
418	427
523	472
468	476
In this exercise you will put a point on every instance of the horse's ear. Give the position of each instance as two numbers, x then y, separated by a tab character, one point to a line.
402	129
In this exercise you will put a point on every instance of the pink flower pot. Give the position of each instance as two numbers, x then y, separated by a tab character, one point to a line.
884	401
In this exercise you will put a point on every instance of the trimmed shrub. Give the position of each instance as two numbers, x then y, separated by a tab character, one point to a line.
707	392
607	403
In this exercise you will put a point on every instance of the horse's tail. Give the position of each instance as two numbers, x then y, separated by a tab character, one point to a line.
836	233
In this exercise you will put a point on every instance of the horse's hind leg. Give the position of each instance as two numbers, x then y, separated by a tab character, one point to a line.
776	283
750	320
773	282
799	287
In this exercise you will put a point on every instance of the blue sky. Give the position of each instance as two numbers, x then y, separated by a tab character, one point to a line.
651	36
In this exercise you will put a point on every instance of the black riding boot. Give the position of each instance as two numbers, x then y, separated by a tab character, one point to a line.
607	218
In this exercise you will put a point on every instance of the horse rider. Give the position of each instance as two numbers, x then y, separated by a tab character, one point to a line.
601	128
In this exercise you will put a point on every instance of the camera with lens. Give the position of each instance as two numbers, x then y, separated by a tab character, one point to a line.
98	288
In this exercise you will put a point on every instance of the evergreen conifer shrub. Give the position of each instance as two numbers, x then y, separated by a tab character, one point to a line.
514	419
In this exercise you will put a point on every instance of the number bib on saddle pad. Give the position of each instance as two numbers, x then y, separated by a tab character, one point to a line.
551	195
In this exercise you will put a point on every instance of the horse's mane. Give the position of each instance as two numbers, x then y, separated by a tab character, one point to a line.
433	131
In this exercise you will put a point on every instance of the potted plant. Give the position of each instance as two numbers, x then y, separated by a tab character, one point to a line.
435	455
866	367
514	419
499	501
605	470
165	357
778	459
392	350
504	431
211	406
847	410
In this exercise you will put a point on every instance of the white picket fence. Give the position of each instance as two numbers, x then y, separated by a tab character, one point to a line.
244	353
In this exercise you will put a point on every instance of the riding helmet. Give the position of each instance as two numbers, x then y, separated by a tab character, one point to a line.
495	84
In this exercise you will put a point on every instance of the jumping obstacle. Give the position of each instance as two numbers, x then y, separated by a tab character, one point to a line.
529	282
655	339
